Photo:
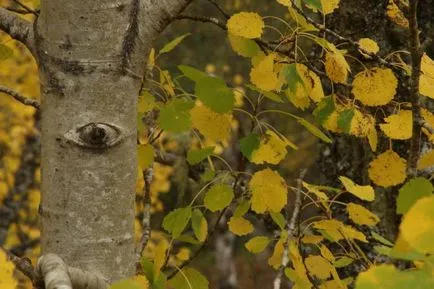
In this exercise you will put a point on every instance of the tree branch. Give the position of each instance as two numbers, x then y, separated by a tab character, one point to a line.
21	98
18	28
219	8
290	229
22	264
416	58
211	20
146	220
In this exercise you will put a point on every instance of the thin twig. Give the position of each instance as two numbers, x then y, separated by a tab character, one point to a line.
211	20
17	28
416	58
219	8
17	10
146	220
290	229
21	98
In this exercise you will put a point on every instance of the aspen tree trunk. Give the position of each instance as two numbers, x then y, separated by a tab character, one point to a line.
91	57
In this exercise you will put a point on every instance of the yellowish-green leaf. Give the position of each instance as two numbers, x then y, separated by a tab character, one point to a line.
246	24
388	169
196	156
361	216
189	278
426	160
417	226
328	6
413	190
146	102
145	155
335	230
176	221
314	130
318	267
243	46
269	191
257	244
263	74
275	259
240	226
312	239
199	225
160	256
213	126
218	197
365	193
172	44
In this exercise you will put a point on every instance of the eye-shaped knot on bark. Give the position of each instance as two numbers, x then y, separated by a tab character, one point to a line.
95	135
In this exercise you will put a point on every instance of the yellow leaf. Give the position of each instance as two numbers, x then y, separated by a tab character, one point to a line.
243	46
257	244
426	83
302	23
318	267
326	253
160	256
272	149
366	193
426	160
141	281
361	216
368	45
417	227
361	124
396	15
263	75
388	169
240	226
309	87
7	280
428	117
275	260
246	24
373	138
399	126
312	239
336	66
374	87
337	230
332	284
328	6
268	191
183	254
151	59
213	126
315	190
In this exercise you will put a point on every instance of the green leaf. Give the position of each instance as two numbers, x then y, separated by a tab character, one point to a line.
172	44
249	143
145	155
257	244
314	130
189	239
199	224
324	109
192	73
279	219
412	191
268	94
342	262
5	52
383	250
214	93
208	175
381	239
126	284
292	77
344	120
243	46
176	221
148	268
242	209
196	156
218	197
175	116
188	279
146	102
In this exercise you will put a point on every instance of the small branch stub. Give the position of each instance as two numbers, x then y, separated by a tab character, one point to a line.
95	135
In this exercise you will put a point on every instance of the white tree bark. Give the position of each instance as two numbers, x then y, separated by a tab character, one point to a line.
91	57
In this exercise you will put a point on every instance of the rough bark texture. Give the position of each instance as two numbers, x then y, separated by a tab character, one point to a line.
91	56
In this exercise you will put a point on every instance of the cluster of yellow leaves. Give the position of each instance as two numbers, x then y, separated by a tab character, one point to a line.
388	169
399	126
269	191
374	87
336	230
